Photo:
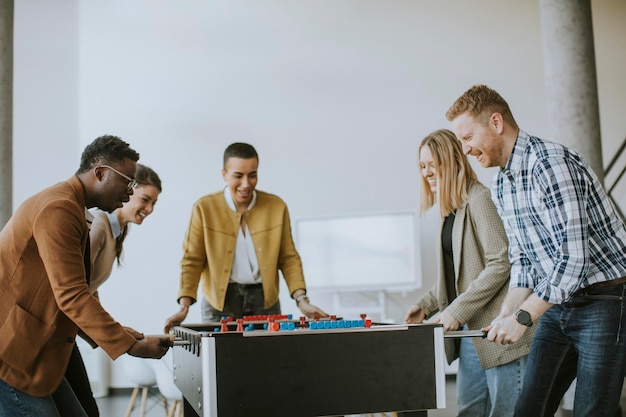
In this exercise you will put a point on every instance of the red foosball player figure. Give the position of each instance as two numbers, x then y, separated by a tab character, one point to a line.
272	326
224	325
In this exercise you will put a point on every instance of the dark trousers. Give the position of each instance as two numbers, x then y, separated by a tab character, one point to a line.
241	300
76	376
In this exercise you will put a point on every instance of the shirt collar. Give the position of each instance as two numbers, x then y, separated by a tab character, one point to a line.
116	229
231	203
89	217
514	163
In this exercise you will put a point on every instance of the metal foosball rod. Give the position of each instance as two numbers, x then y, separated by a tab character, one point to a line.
465	333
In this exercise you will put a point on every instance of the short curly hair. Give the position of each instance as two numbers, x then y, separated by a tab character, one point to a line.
480	102
103	150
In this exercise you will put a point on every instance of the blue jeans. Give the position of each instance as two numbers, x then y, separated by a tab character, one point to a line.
491	392
584	338
15	403
241	300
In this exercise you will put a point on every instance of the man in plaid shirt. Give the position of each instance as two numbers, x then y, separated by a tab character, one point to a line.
567	248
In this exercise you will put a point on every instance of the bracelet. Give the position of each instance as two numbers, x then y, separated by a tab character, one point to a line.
300	298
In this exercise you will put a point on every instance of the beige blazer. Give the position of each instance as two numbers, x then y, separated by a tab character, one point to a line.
482	269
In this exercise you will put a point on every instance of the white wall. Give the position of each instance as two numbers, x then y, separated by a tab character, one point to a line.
334	95
46	146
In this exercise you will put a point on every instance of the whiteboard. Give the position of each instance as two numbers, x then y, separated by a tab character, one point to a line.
359	252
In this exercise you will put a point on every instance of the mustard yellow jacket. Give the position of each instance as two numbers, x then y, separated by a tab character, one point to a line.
209	247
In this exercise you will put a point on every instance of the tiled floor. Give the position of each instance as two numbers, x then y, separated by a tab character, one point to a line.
116	404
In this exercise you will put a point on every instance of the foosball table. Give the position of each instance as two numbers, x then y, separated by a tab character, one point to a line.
279	367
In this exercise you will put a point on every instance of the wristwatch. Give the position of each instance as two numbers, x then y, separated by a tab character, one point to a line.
300	298
523	318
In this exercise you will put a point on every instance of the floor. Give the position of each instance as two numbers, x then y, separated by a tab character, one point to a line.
116	404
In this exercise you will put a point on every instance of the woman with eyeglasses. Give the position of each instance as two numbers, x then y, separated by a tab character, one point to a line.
473	269
107	234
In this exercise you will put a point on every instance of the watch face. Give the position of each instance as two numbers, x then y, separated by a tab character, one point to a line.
523	317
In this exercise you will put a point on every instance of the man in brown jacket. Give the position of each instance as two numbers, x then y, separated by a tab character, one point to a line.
44	274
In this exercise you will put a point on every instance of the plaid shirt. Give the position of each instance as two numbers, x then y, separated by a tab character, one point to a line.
563	231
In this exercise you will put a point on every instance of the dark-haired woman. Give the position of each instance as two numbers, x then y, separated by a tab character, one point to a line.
107	234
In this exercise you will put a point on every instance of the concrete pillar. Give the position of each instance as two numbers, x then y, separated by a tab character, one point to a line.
570	71
571	83
6	110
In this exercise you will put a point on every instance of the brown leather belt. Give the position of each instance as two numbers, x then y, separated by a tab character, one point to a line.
600	285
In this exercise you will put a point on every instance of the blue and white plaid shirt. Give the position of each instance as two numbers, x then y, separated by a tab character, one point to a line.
563	231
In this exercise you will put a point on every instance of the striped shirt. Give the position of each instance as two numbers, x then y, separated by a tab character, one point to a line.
563	232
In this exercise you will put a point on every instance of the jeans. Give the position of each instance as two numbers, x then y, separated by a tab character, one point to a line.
492	392
583	338
241	300
15	403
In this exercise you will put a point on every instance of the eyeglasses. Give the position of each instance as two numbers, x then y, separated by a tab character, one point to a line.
132	182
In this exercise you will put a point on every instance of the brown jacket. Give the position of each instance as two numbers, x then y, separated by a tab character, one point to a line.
482	272
44	297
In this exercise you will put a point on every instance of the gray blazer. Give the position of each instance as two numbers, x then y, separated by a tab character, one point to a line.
482	268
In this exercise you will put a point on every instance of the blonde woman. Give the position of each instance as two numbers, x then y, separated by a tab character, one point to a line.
473	279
